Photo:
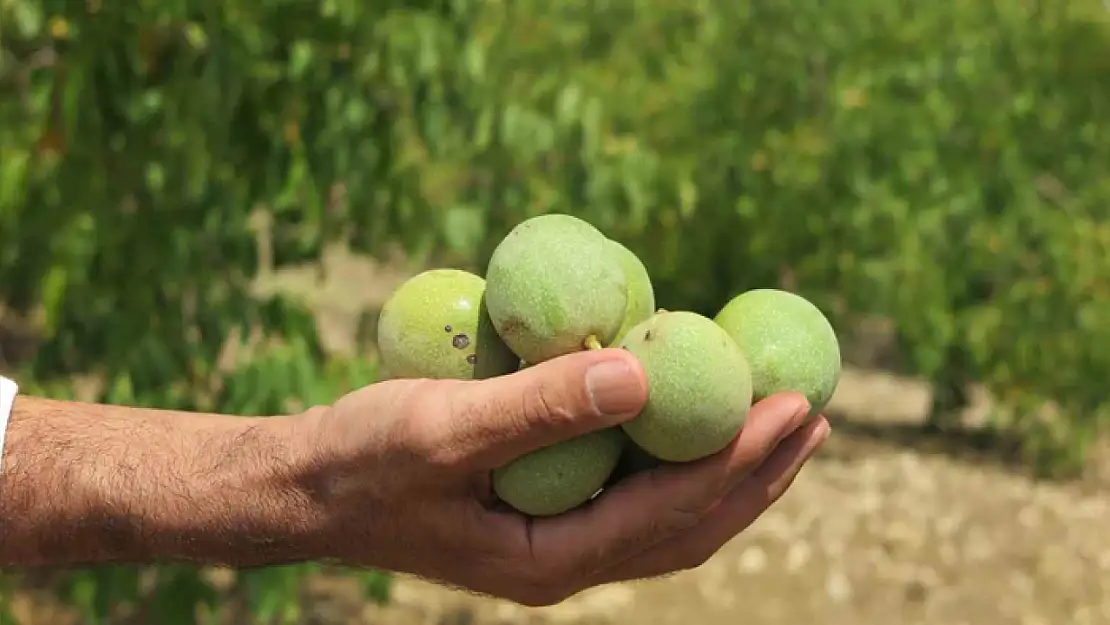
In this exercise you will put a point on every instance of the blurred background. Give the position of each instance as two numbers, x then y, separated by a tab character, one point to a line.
203	204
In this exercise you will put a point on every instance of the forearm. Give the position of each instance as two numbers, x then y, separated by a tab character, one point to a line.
86	483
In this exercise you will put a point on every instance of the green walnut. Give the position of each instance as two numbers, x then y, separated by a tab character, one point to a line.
700	386
435	325
560	477
641	293
789	343
554	286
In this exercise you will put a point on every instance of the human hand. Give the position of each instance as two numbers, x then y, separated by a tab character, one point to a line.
403	480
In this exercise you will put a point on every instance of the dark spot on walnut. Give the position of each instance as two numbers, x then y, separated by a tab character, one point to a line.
472	358
512	325
460	341
447	329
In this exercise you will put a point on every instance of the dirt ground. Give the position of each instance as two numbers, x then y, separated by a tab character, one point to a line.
882	527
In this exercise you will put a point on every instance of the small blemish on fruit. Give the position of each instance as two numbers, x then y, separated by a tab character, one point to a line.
647	335
512	325
447	329
472	358
460	341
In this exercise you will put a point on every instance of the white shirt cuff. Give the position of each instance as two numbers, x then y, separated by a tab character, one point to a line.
8	390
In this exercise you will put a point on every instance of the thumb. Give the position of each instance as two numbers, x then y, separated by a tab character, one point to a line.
496	420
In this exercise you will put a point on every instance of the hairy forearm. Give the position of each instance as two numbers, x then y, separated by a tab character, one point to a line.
87	483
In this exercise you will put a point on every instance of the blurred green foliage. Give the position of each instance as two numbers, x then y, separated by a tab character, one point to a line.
944	166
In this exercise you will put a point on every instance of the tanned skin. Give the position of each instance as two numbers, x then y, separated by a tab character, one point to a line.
87	483
395	476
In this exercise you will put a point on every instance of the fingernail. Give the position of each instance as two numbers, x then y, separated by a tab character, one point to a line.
802	411
800	416
819	437
614	388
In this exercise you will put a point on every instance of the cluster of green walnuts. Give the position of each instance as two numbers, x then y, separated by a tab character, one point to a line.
556	285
